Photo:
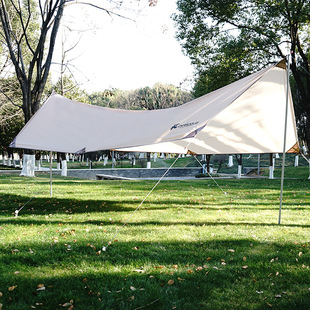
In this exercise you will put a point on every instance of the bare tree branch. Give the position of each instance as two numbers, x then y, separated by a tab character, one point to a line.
7	97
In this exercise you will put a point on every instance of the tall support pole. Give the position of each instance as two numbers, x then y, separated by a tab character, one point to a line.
51	174
284	142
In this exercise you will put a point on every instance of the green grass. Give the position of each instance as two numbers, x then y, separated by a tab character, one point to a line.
189	246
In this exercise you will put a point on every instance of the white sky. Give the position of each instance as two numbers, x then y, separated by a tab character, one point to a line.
119	53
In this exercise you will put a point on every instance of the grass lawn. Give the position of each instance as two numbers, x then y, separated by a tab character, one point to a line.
189	246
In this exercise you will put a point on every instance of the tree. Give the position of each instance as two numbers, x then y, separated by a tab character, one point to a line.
68	87
32	58
219	159
302	118
236	38
32	74
29	52
161	96
11	122
31	45
102	99
11	117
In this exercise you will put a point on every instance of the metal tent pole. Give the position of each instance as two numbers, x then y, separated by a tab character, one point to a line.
51	174
284	142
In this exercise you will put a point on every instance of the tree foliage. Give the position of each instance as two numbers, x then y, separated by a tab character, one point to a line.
68	87
11	116
11	122
160	96
227	40
27	44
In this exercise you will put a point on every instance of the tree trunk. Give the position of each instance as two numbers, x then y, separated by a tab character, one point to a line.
148	164
230	161
239	160
28	164
208	158
271	166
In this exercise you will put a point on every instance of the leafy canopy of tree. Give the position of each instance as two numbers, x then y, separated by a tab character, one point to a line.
11	123
228	39
159	96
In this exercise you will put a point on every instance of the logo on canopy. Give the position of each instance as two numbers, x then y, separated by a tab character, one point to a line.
178	125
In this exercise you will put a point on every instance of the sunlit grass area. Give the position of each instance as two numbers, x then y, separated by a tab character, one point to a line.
191	245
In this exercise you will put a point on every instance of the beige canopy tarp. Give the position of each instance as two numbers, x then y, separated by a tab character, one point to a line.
246	116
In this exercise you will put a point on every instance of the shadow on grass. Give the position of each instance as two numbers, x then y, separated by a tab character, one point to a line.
210	274
38	205
50	221
217	274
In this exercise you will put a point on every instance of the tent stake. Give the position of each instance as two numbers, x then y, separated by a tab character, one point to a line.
51	175
284	142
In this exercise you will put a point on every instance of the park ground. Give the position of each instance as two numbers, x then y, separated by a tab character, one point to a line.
193	244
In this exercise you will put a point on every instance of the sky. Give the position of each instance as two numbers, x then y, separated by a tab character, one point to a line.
113	52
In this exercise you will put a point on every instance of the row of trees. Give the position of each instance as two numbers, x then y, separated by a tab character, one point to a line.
160	96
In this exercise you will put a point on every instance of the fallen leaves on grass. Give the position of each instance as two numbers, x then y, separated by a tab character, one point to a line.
68	304
41	287
12	288
170	282
139	270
